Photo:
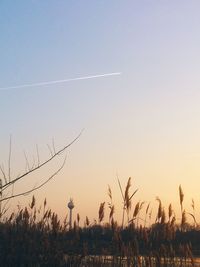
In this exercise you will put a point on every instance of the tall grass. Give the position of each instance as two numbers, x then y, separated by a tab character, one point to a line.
36	237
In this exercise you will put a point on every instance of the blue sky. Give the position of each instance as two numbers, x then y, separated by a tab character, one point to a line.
144	123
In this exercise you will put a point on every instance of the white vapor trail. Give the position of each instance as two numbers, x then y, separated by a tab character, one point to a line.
60	81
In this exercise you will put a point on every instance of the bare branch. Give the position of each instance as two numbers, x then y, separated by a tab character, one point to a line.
5	186
3	173
53	146
4	207
33	165
27	163
9	158
38	187
50	150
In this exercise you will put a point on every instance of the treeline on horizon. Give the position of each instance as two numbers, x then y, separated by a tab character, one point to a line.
36	237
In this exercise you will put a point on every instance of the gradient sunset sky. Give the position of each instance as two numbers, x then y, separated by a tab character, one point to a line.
144	123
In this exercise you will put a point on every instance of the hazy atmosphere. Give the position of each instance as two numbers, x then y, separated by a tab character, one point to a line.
142	123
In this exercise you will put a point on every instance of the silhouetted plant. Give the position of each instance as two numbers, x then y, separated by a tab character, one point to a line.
36	238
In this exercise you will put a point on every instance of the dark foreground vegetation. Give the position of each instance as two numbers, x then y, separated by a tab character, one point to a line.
36	238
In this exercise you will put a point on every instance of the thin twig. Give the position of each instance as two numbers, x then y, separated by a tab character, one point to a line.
38	187
3	173
9	158
50	150
27	163
5	186
53	145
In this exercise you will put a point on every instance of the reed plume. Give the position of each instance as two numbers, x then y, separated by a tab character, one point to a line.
163	217
159	213
109	193
126	199
181	197
33	202
170	211
136	210
101	211
110	205
87	222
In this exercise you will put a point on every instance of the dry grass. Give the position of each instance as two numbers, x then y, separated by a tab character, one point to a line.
36	237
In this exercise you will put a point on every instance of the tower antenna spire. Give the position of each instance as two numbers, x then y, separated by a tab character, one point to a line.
70	206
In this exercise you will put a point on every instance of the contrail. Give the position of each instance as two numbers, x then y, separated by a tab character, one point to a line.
60	81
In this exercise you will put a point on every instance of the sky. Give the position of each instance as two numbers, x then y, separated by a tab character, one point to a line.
142	124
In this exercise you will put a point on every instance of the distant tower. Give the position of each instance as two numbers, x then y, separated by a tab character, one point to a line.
70	206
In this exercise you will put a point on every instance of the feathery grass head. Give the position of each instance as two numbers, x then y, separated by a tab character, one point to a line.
128	185
159	213
101	211
181	197
136	210
112	210
109	193
87	222
45	203
126	195
33	202
163	217
170	211
147	208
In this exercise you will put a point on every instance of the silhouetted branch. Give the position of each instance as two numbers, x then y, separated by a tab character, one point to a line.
37	187
9	158
3	173
6	185
6	194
